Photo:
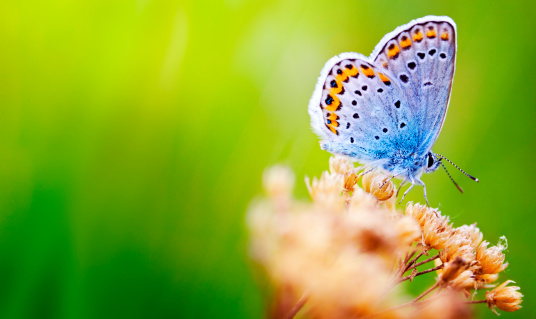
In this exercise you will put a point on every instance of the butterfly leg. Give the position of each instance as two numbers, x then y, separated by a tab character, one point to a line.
424	188
407	191
400	186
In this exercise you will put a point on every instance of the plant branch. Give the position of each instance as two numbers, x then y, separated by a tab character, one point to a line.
423	262
420	273
414	260
476	301
426	292
298	306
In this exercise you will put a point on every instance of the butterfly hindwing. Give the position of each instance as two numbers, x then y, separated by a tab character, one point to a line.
421	57
360	111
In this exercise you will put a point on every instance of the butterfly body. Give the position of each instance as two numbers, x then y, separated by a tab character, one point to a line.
386	111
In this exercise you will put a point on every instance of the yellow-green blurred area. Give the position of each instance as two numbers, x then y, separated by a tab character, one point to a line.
134	134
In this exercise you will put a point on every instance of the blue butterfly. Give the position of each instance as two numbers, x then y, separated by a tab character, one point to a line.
386	111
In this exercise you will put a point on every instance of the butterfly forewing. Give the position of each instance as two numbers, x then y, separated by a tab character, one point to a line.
421	57
360	110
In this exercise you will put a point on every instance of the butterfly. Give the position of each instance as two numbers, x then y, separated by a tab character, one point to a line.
387	110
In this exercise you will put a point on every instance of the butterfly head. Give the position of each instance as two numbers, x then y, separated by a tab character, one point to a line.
432	163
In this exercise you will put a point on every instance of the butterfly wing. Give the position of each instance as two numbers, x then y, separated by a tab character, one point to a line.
421	56
359	111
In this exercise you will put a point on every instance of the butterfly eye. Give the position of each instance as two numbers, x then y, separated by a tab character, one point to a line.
430	161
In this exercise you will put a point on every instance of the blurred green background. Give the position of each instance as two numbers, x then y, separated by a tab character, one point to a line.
133	135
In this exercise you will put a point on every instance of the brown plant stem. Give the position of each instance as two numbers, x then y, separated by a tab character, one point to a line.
301	302
419	273
476	301
413	260
426	292
423	262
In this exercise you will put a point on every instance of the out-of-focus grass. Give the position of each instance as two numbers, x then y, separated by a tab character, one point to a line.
133	135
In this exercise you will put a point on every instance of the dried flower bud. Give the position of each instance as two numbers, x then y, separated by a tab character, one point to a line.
452	270
465	280
372	183
504	298
491	259
340	165
418	212
408	230
471	233
278	181
327	190
457	247
488	278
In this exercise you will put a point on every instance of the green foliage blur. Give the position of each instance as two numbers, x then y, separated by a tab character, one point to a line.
134	134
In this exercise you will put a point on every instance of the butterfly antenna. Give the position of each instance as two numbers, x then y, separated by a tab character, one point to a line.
461	170
452	179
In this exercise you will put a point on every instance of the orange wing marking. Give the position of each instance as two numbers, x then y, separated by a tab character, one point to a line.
393	51
417	37
384	79
405	43
367	71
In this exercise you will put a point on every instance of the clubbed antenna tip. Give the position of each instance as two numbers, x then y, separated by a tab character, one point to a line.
461	170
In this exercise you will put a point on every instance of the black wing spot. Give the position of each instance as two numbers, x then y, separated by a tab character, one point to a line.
348	125
385	130
380	90
412	65
339	71
427	84
333	84
432	52
329	121
443	56
357	92
364	88
397	104
356	116
421	55
349	66
354	102
329	100
351	139
364	66
377	137
404	78
402	125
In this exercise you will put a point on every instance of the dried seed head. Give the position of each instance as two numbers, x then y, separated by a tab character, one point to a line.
491	260
378	185
505	298
436	230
